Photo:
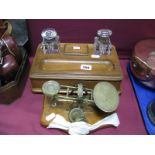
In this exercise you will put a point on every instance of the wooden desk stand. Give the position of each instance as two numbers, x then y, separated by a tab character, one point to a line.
68	68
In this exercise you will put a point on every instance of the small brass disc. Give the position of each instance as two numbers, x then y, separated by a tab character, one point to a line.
50	88
76	115
106	97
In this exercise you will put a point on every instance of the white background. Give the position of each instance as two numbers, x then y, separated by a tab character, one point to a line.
73	9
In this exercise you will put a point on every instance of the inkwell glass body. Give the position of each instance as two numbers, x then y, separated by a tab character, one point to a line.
102	42
50	41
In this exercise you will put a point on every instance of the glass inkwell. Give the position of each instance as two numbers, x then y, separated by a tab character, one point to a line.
102	42
50	42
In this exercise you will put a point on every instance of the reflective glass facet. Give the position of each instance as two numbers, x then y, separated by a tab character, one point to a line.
102	42
50	41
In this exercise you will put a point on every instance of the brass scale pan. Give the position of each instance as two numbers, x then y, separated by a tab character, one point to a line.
104	95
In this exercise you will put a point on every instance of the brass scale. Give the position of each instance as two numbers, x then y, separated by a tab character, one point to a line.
76	102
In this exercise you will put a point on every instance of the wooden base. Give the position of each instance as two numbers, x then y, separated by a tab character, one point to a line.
91	112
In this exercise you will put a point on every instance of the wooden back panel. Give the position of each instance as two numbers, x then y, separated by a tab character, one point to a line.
65	67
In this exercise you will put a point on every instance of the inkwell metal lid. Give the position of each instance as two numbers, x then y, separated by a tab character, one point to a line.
49	34
104	33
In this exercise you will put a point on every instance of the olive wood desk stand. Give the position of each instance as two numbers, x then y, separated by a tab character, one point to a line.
65	68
